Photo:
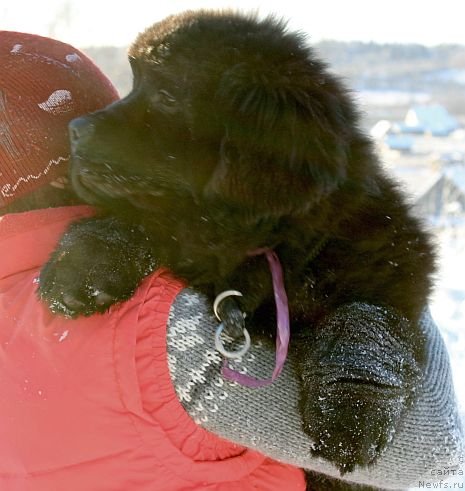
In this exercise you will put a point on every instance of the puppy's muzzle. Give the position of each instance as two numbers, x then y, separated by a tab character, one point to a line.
81	130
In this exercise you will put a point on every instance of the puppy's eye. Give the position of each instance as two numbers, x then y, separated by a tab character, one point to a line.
166	98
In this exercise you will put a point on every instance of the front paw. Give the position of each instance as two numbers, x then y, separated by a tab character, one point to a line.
351	422
92	268
359	378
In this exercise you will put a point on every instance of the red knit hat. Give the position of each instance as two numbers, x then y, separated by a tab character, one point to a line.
44	84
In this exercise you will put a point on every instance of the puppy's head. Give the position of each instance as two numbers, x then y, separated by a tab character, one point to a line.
224	107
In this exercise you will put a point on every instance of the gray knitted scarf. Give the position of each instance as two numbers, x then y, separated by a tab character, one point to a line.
427	447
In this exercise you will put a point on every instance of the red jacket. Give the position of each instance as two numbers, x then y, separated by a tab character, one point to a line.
88	404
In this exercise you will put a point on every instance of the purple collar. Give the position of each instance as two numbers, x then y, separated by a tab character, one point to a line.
283	330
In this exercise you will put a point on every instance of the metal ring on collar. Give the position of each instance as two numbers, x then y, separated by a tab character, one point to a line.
221	297
231	354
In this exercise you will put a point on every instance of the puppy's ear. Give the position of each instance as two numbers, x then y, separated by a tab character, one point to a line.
287	136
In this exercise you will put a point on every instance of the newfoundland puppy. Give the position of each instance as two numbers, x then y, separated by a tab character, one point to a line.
234	138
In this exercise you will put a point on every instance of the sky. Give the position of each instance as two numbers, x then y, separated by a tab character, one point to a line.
86	23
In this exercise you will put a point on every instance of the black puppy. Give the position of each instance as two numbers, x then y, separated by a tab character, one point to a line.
236	137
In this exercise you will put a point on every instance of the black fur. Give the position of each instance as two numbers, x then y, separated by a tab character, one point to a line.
236	137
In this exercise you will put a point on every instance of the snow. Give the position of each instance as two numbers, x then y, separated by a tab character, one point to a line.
448	302
454	75
63	336
448	310
391	98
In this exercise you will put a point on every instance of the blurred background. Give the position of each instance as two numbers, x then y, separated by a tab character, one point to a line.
403	60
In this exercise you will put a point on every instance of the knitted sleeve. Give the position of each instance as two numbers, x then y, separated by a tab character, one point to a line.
428	443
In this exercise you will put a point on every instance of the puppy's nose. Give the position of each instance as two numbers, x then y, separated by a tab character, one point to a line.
80	130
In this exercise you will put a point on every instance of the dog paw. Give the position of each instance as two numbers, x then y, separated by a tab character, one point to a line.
359	376
351	422
92	269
